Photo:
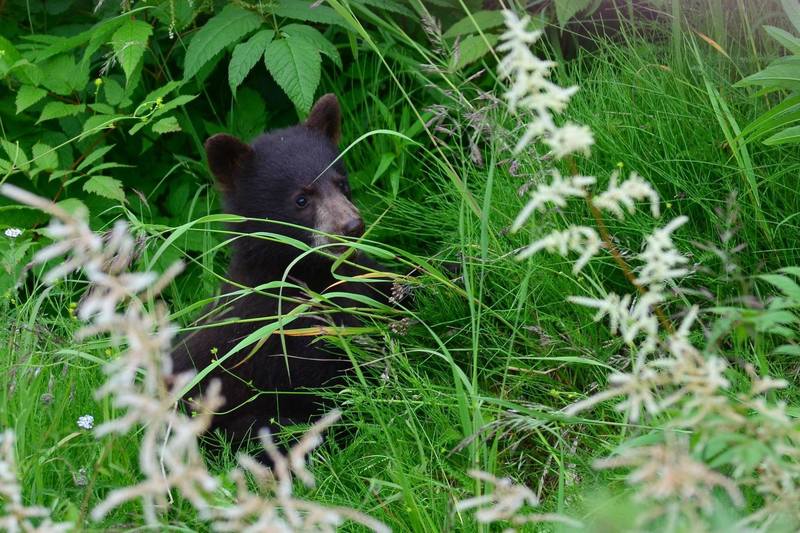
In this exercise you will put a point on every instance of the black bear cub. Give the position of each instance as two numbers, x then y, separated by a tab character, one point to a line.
289	177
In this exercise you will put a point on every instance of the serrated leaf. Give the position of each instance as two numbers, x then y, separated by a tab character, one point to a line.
113	91
485	20
63	76
566	9
229	26
473	48
129	43
245	56
98	123
27	96
166	125
44	157
295	65
105	186
59	110
249	115
16	155
74	207
94	156
313	36
308	11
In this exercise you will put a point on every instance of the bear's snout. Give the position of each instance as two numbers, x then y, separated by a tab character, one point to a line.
354	227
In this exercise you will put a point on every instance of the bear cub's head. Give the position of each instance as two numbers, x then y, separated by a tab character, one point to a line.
289	175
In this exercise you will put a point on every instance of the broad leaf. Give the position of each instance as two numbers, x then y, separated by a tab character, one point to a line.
792	8
313	36
295	65
566	9
229	26
308	11
787	136
786	39
782	73
245	56
129	43
27	96
473	48
166	125
44	157
485	20
16	155
59	110
105	186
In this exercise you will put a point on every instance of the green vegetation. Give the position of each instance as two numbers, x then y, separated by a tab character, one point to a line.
106	110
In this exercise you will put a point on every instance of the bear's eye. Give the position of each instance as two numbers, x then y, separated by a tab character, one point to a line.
301	201
343	187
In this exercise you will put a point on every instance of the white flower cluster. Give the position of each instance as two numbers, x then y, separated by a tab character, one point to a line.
141	386
15	516
581	239
506	503
557	192
531	90
624	195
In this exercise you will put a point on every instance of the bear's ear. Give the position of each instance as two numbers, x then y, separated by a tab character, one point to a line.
226	154
326	117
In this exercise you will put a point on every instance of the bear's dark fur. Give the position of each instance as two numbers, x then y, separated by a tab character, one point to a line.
289	176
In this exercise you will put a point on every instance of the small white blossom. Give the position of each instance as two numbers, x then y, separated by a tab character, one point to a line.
662	262
506	503
616	197
557	192
12	233
580	239
570	139
86	422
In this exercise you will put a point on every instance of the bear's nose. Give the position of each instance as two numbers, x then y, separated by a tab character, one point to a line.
354	228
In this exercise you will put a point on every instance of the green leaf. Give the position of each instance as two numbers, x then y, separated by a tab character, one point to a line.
566	9
63	76
249	115
295	65
105	186
8	56
485	20
166	125
313	36
782	73
98	123
245	56
129	43
303	10
473	48
786	285
792	9
16	155
27	96
94	156
44	157
59	110
779	116
787	136
114	91
229	26
786	39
